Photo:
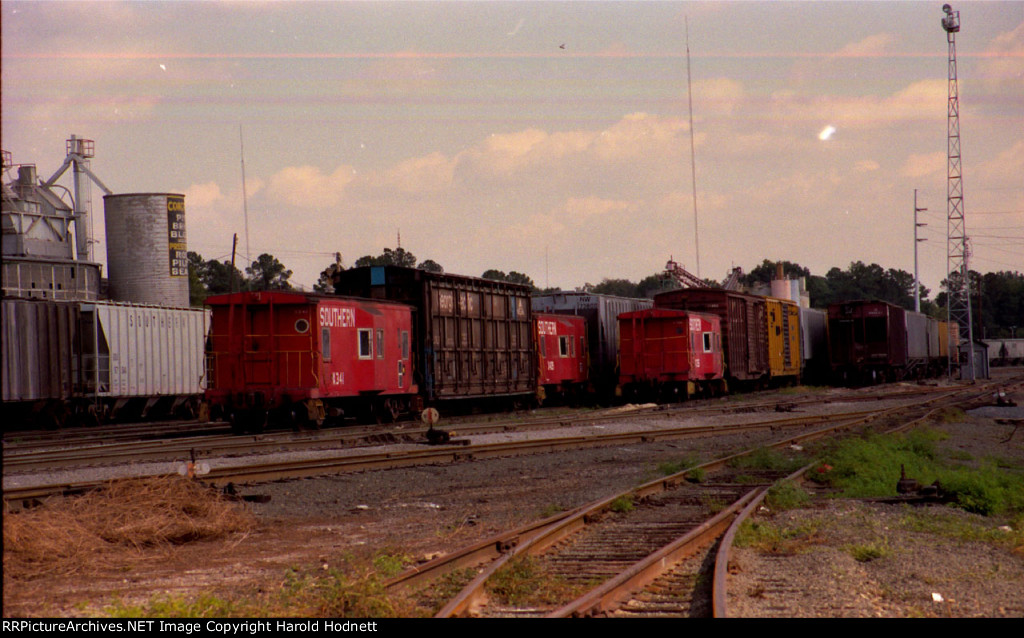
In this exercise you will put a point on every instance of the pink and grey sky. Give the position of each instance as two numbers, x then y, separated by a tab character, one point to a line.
467	127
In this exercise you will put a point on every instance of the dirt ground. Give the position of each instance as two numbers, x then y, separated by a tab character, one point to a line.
338	522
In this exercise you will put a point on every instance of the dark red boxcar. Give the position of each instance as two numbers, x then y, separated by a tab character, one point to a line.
562	356
670	353
867	340
475	336
744	327
304	356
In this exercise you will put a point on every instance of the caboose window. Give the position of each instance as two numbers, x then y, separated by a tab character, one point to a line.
405	344
365	344
380	343
563	346
707	341
325	343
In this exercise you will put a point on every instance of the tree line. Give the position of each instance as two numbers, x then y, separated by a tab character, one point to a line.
997	299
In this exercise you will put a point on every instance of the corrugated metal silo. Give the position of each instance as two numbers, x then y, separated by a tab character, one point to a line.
147	260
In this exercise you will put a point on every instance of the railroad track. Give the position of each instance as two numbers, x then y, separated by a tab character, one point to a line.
183	441
619	577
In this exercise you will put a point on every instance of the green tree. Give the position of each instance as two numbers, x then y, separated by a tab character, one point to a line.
211	277
616	287
766	271
430	266
325	283
196	290
397	257
267	273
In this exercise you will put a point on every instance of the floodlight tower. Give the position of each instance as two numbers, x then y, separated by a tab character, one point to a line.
958	305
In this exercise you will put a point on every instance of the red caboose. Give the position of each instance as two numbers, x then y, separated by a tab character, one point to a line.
562	359
301	357
670	354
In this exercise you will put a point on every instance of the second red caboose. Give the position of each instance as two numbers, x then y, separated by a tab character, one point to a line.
562	356
302	358
670	354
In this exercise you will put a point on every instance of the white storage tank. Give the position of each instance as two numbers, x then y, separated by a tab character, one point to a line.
147	257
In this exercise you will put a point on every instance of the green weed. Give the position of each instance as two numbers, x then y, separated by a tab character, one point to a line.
786	495
870	467
622	504
767	459
868	552
523	582
770	538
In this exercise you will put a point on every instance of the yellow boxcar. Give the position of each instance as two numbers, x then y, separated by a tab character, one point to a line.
783	340
947	328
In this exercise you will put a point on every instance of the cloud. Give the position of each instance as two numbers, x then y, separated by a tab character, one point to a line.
309	187
920	165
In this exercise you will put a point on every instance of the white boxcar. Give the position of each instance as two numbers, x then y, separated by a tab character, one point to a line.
1005	352
132	351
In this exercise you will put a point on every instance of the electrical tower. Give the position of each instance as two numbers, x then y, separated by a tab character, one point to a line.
958	305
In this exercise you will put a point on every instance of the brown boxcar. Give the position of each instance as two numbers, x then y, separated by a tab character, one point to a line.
744	327
867	341
474	336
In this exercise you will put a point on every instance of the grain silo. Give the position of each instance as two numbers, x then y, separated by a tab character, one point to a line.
147	257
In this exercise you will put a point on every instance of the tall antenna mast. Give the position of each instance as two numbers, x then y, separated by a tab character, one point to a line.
245	199
958	306
693	162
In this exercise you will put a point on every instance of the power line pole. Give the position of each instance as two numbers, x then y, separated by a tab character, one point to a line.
958	306
917	281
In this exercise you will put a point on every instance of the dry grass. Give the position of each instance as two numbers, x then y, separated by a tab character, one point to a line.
106	527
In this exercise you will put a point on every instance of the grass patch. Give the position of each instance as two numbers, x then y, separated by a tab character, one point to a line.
669	468
867	552
551	510
622	504
804	389
786	495
769	538
330	593
696	475
388	565
957	526
767	459
870	467
523	582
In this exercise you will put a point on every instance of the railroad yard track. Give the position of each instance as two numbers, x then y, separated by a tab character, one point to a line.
626	555
223	459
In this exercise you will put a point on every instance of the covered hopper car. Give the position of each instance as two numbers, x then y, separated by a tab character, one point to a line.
82	362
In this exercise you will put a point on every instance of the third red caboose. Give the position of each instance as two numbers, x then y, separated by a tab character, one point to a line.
670	354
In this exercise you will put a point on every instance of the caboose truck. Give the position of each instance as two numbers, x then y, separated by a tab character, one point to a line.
301	358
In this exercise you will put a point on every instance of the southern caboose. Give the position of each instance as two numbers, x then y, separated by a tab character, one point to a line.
303	358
